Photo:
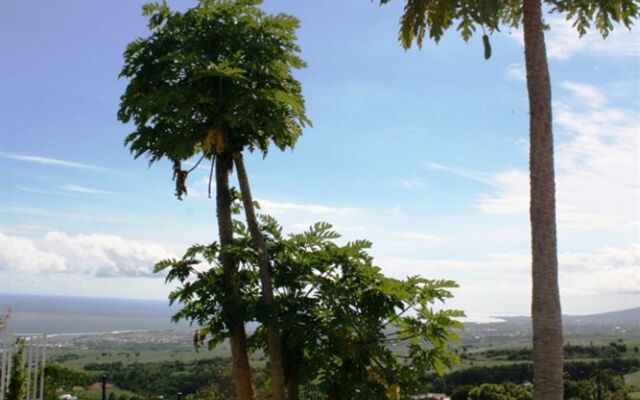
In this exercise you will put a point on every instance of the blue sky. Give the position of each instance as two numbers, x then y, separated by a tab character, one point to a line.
423	152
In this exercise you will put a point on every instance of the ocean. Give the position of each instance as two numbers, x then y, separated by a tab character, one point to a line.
66	315
55	315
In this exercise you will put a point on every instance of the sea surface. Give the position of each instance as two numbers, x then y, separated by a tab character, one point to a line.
66	315
56	315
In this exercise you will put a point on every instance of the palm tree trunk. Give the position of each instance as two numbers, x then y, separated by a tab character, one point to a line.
274	341
238	337
545	308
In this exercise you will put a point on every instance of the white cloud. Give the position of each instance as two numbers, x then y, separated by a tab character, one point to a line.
412	183
463	172
50	161
69	187
513	197
38	191
40	212
350	222
397	211
93	254
604	271
563	41
606	257
28	210
421	237
516	72
273	207
23	255
620	281
588	94
199	188
25	229
491	263
610	270
199	164
597	163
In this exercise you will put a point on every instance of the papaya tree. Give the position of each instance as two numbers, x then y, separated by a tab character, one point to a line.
434	18
351	332
208	84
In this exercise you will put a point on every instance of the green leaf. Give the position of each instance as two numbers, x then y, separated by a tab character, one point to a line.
220	65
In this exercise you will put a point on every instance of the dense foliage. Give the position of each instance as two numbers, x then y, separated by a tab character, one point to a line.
433	18
58	377
571	351
65	357
215	78
349	331
523	372
507	391
211	379
169	377
602	386
16	385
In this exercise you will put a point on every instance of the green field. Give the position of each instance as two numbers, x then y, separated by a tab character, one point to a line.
143	353
633	380
477	354
78	358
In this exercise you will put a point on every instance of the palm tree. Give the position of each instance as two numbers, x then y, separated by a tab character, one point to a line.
213	82
435	17
545	301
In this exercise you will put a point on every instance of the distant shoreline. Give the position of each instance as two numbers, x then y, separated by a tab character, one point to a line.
72	316
54	335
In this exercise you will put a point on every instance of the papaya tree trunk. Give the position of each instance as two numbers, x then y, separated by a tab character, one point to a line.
545	307
238	337
293	361
292	389
274	341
